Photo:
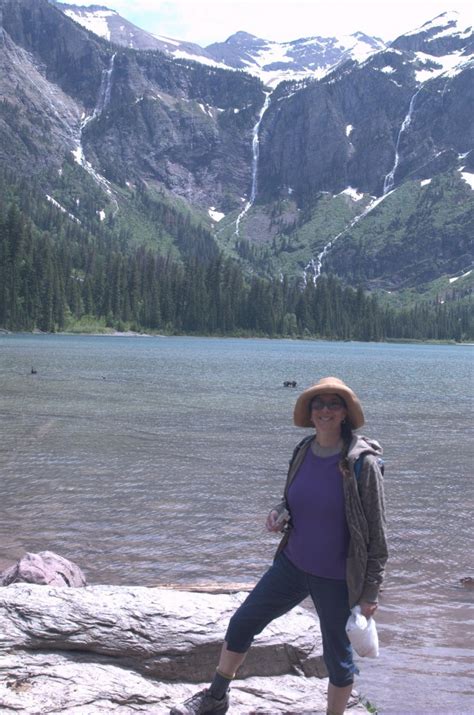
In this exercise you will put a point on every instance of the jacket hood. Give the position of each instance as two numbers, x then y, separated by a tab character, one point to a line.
363	445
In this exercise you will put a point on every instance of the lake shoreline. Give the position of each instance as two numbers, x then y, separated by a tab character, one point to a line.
230	336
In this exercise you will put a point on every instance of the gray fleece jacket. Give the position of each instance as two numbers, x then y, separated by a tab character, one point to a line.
365	514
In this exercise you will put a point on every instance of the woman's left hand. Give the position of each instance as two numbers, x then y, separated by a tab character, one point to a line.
271	522
367	609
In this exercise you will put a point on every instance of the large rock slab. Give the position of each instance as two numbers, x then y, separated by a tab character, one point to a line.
172	635
104	648
58	684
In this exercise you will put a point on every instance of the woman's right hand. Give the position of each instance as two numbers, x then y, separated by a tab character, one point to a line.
271	522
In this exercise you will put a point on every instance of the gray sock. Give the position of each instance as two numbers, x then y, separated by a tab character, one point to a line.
219	686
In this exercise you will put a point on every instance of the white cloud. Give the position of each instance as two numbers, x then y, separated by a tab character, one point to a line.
206	21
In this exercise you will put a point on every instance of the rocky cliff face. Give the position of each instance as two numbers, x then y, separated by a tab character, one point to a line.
227	145
332	134
182	126
135	115
402	110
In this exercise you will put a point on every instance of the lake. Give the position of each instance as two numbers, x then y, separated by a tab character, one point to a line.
154	460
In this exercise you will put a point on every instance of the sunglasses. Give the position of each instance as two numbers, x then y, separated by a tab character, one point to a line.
333	405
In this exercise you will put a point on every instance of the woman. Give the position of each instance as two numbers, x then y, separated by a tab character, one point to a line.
333	548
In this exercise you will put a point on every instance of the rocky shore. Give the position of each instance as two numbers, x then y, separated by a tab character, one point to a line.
97	649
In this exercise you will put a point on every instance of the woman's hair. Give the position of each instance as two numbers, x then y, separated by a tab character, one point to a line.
347	436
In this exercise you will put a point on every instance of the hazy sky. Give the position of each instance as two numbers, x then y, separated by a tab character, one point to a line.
206	21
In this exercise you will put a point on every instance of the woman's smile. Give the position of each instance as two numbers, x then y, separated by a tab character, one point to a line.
327	413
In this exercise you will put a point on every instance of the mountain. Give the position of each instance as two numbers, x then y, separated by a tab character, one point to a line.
364	168
114	28
401	111
361	134
271	61
123	116
274	62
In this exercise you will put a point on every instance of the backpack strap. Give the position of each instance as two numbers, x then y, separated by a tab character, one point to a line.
358	466
359	462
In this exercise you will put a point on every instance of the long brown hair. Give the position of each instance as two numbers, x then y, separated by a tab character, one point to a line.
347	435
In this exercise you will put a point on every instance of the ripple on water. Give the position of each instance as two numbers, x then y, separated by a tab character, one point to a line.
163	472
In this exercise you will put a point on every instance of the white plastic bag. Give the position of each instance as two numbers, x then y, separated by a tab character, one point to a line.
362	634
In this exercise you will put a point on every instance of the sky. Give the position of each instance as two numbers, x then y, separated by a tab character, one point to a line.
207	21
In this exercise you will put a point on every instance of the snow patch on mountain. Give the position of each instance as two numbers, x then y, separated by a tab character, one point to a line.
78	155
272	53
360	50
451	22
459	67
61	208
456	278
468	178
93	19
352	193
206	109
168	40
183	55
215	215
446	32
450	64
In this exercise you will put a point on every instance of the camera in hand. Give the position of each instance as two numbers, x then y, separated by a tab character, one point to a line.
282	519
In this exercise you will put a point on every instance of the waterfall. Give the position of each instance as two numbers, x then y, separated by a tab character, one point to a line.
314	267
255	155
390	178
103	100
105	90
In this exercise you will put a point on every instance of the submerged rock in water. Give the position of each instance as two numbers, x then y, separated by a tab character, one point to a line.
45	568
100	648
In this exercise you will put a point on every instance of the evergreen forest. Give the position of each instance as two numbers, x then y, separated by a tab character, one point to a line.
57	274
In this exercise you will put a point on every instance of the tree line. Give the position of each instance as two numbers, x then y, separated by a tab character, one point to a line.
50	279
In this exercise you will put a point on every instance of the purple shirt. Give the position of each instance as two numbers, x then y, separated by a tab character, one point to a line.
319	539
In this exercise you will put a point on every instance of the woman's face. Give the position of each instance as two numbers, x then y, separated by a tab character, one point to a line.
328	413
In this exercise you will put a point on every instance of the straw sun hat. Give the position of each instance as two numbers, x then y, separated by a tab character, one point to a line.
333	385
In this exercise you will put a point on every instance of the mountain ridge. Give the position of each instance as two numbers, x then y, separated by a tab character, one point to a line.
276	176
269	60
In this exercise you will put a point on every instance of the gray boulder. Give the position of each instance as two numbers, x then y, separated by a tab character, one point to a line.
45	568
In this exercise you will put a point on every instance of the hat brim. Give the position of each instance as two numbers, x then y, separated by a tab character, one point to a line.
355	414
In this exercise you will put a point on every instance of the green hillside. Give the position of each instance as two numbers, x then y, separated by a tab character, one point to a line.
419	234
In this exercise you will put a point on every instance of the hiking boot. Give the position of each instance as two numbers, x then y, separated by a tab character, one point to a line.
201	703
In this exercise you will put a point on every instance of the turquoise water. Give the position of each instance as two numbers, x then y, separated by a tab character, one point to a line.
155	460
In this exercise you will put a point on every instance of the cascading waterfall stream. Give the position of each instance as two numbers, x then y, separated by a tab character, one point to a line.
102	102
315	265
389	180
255	155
